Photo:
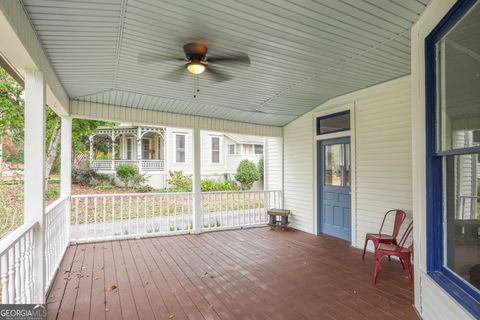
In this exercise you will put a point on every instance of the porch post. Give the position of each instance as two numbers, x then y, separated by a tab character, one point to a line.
113	149
139	148
90	140
34	173
66	157
197	210
66	169
265	164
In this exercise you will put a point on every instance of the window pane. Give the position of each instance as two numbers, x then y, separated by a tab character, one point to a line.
347	165
333	123
334	164
180	156
258	149
462	217
180	141
231	149
215	143
247	149
215	157
458	83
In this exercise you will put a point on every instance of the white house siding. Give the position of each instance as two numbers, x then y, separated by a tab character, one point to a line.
383	158
431	301
298	172
274	163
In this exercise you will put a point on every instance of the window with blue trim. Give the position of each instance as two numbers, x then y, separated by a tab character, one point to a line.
453	148
332	123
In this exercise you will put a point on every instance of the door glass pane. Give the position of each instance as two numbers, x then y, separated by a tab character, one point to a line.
334	164
458	83
462	217
347	165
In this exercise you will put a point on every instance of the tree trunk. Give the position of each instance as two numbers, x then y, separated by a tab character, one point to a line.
52	150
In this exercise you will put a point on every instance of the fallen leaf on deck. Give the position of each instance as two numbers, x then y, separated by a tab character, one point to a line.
111	288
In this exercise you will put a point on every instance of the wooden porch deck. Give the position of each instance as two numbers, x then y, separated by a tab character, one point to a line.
241	274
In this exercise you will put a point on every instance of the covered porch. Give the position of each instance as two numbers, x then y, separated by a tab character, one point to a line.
242	274
337	91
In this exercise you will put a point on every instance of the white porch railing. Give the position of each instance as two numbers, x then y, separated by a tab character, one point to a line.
16	265
101	217
145	165
234	209
84	218
56	236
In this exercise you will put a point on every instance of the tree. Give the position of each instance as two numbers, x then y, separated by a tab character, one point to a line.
247	174
260	168
11	110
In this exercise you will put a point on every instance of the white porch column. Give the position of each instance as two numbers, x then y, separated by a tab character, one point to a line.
113	149
90	140
197	209
34	173
139	148
66	158
265	164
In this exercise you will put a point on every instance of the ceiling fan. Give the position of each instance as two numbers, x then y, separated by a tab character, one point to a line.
197	62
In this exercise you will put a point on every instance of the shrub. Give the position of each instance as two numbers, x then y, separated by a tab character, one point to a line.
247	174
144	189
83	174
180	181
260	167
126	172
52	193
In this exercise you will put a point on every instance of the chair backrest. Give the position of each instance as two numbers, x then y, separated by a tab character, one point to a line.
406	234
399	217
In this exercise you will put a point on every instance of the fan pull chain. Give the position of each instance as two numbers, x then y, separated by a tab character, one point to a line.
196	86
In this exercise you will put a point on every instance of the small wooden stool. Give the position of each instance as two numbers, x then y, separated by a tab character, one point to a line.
274	214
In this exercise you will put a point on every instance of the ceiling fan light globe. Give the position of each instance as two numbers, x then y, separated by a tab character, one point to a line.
195	67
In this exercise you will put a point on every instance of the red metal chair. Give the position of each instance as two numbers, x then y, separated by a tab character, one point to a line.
379	237
404	254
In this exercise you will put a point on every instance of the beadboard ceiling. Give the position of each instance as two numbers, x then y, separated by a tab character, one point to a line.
302	52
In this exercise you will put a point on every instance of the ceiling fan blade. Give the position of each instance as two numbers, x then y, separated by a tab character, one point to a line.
217	75
176	75
237	57
148	57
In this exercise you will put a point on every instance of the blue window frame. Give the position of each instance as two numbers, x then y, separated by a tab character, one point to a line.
464	293
332	123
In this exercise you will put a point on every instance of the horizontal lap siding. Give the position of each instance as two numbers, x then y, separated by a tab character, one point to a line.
383	157
274	160
298	172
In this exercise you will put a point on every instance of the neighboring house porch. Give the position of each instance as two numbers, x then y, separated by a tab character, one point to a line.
143	147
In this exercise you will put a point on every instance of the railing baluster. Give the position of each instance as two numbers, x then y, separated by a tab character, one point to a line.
95	204
121	213
145	213
160	205
11	277
16	250
77	234
23	250
104	216
4	278
113	217
85	222
175	211
129	214
138	214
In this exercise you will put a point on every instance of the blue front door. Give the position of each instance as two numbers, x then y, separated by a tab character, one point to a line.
333	191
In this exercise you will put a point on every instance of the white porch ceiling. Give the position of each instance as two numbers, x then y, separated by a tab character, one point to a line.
302	52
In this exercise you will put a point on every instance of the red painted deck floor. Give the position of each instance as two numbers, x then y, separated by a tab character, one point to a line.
241	274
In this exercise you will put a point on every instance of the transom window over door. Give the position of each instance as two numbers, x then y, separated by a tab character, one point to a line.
180	148
215	149
453	176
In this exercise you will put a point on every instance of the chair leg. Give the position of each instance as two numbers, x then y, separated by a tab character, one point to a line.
376	270
408	266
364	249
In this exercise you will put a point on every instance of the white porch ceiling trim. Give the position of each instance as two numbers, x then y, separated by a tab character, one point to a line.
108	112
21	48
